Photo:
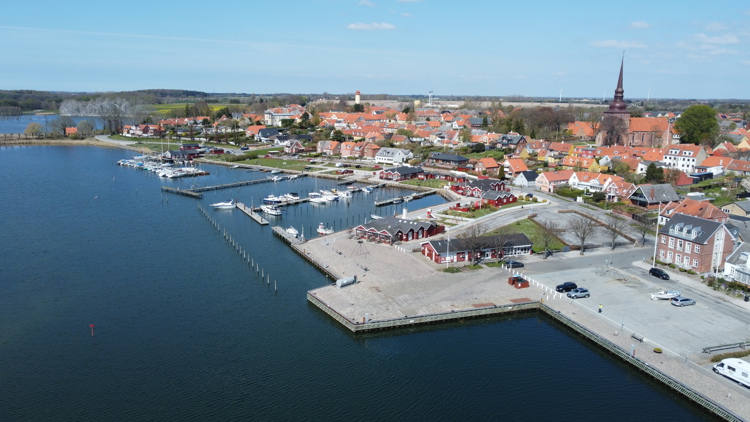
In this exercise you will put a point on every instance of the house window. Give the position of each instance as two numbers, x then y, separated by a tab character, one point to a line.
663	240
695	263
688	246
687	261
669	256
671	242
679	245
661	254
697	248
678	259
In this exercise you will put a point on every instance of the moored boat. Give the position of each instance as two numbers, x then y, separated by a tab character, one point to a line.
292	231
270	209
226	205
664	295
323	230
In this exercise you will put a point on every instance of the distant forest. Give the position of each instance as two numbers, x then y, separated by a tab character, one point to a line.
15	102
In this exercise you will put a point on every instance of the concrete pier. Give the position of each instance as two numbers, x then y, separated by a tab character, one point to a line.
398	287
252	214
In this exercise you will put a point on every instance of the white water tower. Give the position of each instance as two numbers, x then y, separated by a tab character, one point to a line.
356	97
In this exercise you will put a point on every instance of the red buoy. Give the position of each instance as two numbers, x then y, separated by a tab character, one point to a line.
92	329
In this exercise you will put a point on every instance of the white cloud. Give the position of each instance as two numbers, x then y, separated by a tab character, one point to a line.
716	40
359	26
617	44
716	26
640	25
406	15
367	3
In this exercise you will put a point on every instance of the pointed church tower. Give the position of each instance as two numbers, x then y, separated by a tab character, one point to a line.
618	107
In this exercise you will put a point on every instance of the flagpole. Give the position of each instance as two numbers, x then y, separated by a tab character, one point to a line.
656	237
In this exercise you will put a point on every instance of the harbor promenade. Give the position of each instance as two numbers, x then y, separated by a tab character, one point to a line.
396	287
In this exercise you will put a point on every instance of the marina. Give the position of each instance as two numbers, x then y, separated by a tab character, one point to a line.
162	313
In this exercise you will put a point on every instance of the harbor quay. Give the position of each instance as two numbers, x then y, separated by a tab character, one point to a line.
396	287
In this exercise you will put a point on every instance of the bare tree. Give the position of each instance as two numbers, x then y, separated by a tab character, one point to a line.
643	227
582	228
472	235
500	239
614	129
614	226
548	234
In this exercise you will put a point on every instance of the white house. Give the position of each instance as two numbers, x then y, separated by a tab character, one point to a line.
684	157
526	178
393	155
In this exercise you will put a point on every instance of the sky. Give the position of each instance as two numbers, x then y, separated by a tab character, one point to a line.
687	49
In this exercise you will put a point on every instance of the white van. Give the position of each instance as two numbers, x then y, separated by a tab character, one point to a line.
735	369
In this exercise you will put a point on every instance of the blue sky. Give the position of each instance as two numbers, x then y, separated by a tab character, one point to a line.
687	49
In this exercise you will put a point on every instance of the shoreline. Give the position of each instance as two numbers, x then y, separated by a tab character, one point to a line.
92	142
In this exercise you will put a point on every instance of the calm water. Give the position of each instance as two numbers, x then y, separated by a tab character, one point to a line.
184	331
17	124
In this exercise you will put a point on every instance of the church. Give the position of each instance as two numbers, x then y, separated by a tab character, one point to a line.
619	128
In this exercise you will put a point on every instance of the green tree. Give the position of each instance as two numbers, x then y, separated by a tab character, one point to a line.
698	125
337	135
477	147
358	108
33	129
405	132
654	174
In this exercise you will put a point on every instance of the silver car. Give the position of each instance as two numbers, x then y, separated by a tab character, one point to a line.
579	292
682	301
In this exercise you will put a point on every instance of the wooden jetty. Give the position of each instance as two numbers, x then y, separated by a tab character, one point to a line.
407	198
252	214
234	185
186	192
288	237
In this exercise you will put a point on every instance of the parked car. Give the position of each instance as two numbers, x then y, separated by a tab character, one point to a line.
579	292
245	148
512	264
566	287
658	272
682	301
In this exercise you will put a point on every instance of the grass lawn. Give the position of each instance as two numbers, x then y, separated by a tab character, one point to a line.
451	270
166	109
474	267
434	183
534	232
497	155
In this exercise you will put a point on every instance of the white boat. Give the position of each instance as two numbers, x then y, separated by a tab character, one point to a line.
398	200
275	171
270	209
291	196
292	231
277	178
273	199
366	190
664	295
236	166
344	194
226	205
375	217
316	198
323	230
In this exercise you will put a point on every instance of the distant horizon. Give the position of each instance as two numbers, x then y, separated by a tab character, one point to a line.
510	98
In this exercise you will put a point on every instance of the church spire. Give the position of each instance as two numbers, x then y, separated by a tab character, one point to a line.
618	105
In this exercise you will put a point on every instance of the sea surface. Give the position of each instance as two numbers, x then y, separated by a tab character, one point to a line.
184	330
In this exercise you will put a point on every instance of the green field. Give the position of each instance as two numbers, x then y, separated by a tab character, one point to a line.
166	109
534	232
433	183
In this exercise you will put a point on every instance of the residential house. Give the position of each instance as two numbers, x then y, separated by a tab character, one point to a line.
695	243
737	264
294	147
477	188
369	150
488	247
619	190
512	141
684	157
393	229
488	165
401	173
525	178
549	180
267	134
393	156
446	160
329	148
694	208
738	208
653	196
715	165
583	130
514	166
591	182
739	168
253	131
498	199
